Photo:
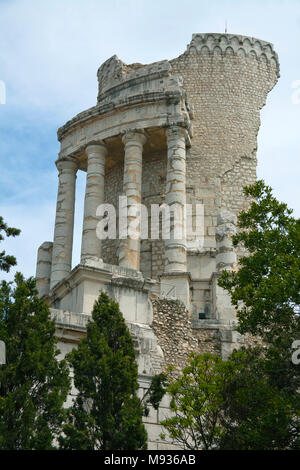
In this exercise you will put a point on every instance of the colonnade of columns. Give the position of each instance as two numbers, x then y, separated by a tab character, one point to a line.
129	250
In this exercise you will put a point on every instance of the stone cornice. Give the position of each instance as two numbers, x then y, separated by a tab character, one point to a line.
122	87
101	109
92	270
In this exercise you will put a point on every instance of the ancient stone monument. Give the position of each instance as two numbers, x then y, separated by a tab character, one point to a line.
180	131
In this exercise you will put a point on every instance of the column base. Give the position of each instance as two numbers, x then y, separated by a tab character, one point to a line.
78	292
223	310
176	286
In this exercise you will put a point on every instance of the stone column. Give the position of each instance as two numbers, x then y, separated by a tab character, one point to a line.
175	249
64	221
176	274
129	252
226	228
43	268
226	259
94	196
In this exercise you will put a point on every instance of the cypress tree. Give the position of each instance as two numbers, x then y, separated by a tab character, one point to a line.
106	413
33	384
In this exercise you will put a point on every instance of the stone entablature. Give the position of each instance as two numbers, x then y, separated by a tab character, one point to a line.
152	91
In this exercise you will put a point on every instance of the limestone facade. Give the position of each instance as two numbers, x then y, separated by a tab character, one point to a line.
173	132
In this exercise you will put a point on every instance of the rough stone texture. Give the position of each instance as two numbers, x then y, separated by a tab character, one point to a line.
227	79
64	221
209	340
94	196
113	189
43	268
178	337
173	330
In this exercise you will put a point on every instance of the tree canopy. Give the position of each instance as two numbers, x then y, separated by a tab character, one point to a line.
266	287
251	401
7	261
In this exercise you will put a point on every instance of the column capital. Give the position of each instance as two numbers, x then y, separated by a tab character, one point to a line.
174	131
66	164
96	147
135	135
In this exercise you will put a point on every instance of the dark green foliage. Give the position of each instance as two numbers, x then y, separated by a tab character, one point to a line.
155	393
266	288
197	402
33	384
237	404
252	400
106	414
7	261
264	402
259	410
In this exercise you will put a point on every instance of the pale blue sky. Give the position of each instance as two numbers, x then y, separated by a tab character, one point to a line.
50	51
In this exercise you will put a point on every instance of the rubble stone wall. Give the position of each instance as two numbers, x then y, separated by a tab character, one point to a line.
176	336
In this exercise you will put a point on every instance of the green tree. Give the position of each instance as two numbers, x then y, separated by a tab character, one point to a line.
106	413
266	293
266	288
197	402
232	405
252	400
258	410
7	261
33	384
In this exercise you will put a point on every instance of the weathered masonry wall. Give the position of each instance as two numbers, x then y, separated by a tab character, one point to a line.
227	79
177	337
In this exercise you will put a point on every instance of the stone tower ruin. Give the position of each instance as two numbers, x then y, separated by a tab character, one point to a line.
180	131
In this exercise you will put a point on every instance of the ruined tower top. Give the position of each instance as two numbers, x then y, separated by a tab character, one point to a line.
179	131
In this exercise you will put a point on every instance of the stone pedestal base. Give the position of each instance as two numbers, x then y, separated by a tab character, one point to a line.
222	308
78	292
176	286
230	340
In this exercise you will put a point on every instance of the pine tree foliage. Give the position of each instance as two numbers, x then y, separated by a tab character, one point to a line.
7	261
